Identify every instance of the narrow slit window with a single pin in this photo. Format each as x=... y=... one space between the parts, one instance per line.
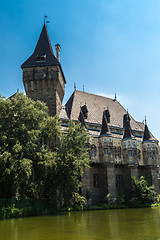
x=26 y=86
x=32 y=85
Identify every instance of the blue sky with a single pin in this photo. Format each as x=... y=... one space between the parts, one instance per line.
x=109 y=46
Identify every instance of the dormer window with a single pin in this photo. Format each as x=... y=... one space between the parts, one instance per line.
x=41 y=58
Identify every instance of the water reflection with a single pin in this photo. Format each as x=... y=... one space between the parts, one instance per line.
x=132 y=224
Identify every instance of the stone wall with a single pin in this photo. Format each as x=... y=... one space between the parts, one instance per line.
x=45 y=84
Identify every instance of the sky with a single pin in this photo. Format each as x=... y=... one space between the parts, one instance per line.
x=109 y=46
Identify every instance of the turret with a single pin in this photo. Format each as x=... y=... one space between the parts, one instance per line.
x=43 y=77
x=150 y=151
x=81 y=118
x=106 y=139
x=129 y=143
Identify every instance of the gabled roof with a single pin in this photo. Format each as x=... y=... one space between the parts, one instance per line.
x=96 y=105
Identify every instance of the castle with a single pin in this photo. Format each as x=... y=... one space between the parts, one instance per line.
x=120 y=147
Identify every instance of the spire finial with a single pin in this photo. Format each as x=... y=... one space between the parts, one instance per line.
x=145 y=120
x=74 y=86
x=115 y=97
x=45 y=19
x=83 y=88
x=127 y=116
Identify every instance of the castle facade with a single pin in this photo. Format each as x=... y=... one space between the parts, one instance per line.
x=120 y=147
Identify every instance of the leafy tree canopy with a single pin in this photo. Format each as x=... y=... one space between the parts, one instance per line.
x=36 y=159
x=142 y=192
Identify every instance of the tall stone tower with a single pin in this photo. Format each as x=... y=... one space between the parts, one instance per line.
x=43 y=76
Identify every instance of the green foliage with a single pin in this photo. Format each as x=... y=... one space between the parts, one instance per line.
x=11 y=212
x=142 y=192
x=107 y=198
x=36 y=159
x=72 y=158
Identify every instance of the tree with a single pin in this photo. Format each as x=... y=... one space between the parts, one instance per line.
x=37 y=160
x=26 y=131
x=142 y=191
x=71 y=161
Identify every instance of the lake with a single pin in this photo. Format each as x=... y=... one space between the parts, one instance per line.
x=126 y=224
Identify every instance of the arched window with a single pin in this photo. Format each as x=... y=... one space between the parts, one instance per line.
x=119 y=152
x=129 y=153
x=139 y=154
x=105 y=151
x=149 y=155
x=93 y=151
x=154 y=154
x=134 y=153
x=115 y=152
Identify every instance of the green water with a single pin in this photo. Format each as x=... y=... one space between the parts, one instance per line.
x=126 y=224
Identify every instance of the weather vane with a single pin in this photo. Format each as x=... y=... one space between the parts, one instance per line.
x=45 y=19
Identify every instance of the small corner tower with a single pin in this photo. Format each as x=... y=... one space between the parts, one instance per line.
x=150 y=151
x=43 y=77
x=129 y=143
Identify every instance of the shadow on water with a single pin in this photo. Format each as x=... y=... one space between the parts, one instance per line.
x=122 y=224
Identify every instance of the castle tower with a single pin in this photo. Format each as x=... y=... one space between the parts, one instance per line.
x=149 y=148
x=150 y=156
x=43 y=77
x=107 y=155
x=129 y=144
x=106 y=140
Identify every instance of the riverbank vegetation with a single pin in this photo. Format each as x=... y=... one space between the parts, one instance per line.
x=143 y=195
x=38 y=161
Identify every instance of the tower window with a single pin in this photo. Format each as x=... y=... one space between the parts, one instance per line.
x=129 y=153
x=26 y=86
x=119 y=152
x=106 y=151
x=119 y=180
x=93 y=151
x=134 y=153
x=139 y=154
x=32 y=85
x=153 y=154
x=95 y=180
x=111 y=151
x=41 y=58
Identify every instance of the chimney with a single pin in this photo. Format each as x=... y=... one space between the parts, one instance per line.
x=58 y=48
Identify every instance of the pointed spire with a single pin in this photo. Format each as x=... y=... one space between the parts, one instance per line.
x=81 y=118
x=105 y=128
x=74 y=86
x=43 y=45
x=43 y=54
x=147 y=136
x=127 y=126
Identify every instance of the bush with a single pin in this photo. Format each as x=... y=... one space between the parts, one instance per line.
x=142 y=192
